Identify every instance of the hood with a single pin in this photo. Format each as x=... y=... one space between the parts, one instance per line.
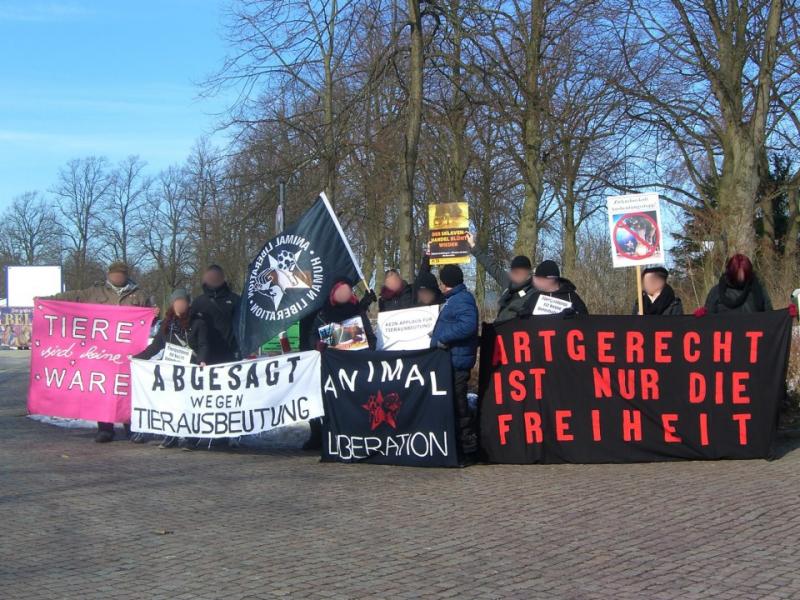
x=222 y=290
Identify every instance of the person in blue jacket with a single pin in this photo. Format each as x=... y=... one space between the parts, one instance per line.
x=456 y=329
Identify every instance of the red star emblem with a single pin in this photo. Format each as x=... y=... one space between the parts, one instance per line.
x=383 y=409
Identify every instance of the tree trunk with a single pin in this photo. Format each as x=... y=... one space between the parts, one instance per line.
x=570 y=242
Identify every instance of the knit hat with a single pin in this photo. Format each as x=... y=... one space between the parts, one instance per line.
x=451 y=275
x=118 y=267
x=426 y=281
x=660 y=271
x=179 y=294
x=547 y=268
x=521 y=262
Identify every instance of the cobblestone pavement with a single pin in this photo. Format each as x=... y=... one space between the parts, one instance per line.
x=82 y=520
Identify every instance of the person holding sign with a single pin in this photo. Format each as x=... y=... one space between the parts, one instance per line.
x=341 y=307
x=456 y=329
x=658 y=297
x=738 y=290
x=396 y=292
x=553 y=294
x=182 y=337
x=117 y=290
x=517 y=283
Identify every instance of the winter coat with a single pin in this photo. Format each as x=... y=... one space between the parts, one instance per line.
x=457 y=328
x=427 y=279
x=337 y=313
x=217 y=308
x=566 y=291
x=513 y=302
x=389 y=300
x=666 y=304
x=724 y=298
x=196 y=337
x=104 y=293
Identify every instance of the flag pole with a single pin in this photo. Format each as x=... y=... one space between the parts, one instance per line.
x=344 y=239
x=639 y=288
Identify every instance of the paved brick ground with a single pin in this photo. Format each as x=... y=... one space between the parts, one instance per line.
x=80 y=520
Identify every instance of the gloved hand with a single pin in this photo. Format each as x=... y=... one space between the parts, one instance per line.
x=367 y=300
x=701 y=312
x=793 y=310
x=568 y=313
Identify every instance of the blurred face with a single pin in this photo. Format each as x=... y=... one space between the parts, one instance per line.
x=213 y=278
x=545 y=284
x=117 y=279
x=343 y=294
x=653 y=284
x=519 y=276
x=426 y=297
x=393 y=281
x=180 y=306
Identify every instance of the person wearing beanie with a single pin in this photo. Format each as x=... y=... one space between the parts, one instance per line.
x=547 y=281
x=341 y=305
x=456 y=329
x=658 y=297
x=516 y=283
x=186 y=330
x=118 y=289
x=426 y=286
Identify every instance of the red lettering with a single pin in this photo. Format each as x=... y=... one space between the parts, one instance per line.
x=742 y=419
x=703 y=429
x=515 y=379
x=576 y=351
x=739 y=388
x=533 y=427
x=503 y=428
x=537 y=382
x=668 y=420
x=697 y=388
x=649 y=384
x=661 y=339
x=604 y=339
x=498 y=388
x=596 y=436
x=602 y=382
x=634 y=347
x=547 y=339
x=719 y=385
x=754 y=337
x=632 y=425
x=522 y=346
x=722 y=346
x=627 y=387
x=499 y=356
x=562 y=427
x=692 y=338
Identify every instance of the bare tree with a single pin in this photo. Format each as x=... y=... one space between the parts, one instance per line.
x=125 y=199
x=31 y=232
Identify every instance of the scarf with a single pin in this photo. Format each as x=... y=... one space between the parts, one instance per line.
x=743 y=295
x=661 y=303
x=128 y=287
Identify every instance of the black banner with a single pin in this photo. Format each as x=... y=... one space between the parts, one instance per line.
x=626 y=389
x=292 y=275
x=391 y=408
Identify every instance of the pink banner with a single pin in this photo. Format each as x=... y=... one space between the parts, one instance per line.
x=80 y=359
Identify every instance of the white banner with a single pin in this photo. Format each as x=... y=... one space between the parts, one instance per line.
x=548 y=305
x=227 y=400
x=407 y=329
x=634 y=223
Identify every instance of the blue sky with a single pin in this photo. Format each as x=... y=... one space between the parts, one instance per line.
x=109 y=78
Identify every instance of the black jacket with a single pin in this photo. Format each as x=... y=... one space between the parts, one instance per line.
x=751 y=298
x=566 y=291
x=667 y=304
x=403 y=299
x=217 y=308
x=514 y=300
x=428 y=280
x=196 y=336
x=338 y=313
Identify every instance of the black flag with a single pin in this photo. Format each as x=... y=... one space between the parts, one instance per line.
x=292 y=275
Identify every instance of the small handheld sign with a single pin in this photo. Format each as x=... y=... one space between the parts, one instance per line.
x=634 y=222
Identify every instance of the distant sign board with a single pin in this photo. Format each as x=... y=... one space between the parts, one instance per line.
x=448 y=224
x=634 y=223
x=26 y=283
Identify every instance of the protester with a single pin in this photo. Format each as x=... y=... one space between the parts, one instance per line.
x=516 y=283
x=186 y=330
x=426 y=287
x=456 y=329
x=396 y=292
x=738 y=290
x=658 y=297
x=217 y=306
x=117 y=290
x=547 y=281
x=341 y=305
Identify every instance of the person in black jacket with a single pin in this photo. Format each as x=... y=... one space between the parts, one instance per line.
x=658 y=297
x=517 y=283
x=340 y=306
x=426 y=286
x=396 y=292
x=738 y=290
x=548 y=282
x=216 y=306
x=183 y=329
